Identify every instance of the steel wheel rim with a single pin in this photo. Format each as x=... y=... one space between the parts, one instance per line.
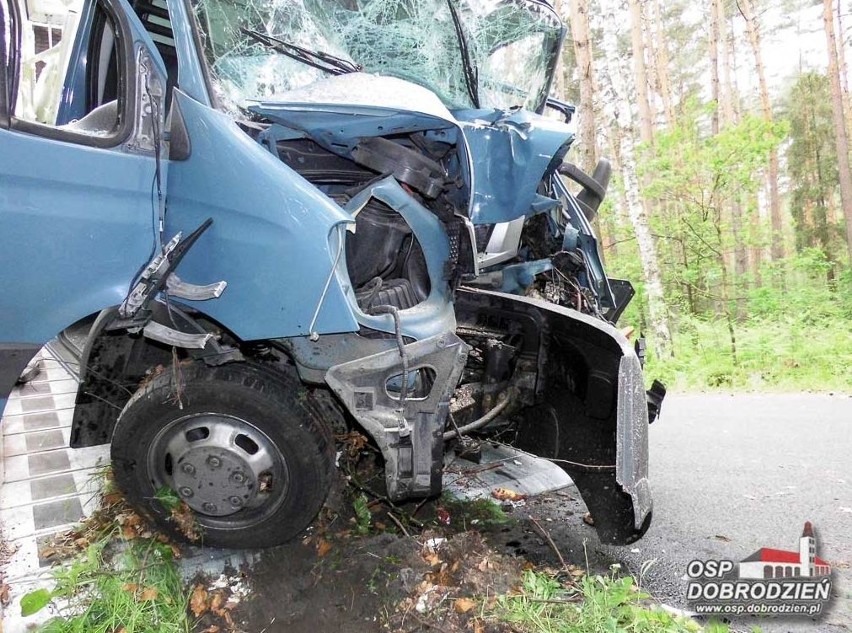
x=228 y=471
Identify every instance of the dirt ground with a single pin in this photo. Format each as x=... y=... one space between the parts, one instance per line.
x=335 y=580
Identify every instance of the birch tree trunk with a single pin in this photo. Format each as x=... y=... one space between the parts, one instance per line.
x=579 y=15
x=619 y=104
x=840 y=136
x=753 y=30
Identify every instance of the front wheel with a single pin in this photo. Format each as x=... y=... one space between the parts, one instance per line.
x=239 y=444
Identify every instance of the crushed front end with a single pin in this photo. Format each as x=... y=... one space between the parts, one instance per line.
x=471 y=270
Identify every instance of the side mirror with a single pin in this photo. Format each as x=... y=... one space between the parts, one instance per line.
x=567 y=110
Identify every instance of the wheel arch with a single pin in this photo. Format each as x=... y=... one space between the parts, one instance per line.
x=114 y=364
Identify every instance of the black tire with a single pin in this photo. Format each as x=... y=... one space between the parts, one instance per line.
x=256 y=479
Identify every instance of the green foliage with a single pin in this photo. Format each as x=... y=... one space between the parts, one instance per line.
x=596 y=603
x=812 y=163
x=795 y=336
x=112 y=586
x=481 y=513
x=169 y=498
x=35 y=601
x=363 y=516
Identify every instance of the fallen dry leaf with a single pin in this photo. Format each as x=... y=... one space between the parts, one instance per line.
x=149 y=593
x=506 y=494
x=5 y=598
x=130 y=586
x=722 y=537
x=587 y=519
x=216 y=603
x=211 y=629
x=129 y=532
x=478 y=627
x=323 y=548
x=463 y=605
x=198 y=601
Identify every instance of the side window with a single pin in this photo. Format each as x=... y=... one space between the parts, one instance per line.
x=70 y=70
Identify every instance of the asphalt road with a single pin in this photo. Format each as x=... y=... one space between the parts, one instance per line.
x=732 y=474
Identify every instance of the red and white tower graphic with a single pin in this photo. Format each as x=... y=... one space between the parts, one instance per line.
x=769 y=563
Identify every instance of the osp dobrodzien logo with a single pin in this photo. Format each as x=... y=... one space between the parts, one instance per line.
x=769 y=582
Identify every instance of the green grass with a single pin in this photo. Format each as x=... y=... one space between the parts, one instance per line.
x=594 y=603
x=790 y=353
x=474 y=513
x=115 y=586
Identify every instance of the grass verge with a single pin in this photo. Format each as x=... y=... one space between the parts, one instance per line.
x=544 y=604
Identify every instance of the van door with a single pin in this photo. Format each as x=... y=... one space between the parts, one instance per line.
x=78 y=197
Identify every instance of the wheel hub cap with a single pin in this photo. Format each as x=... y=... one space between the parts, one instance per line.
x=219 y=465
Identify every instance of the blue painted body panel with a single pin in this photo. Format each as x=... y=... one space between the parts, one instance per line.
x=61 y=204
x=511 y=154
x=78 y=222
x=330 y=126
x=270 y=234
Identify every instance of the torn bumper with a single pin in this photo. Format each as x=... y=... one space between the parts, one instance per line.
x=587 y=410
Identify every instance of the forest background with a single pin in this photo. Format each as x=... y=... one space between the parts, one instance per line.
x=727 y=123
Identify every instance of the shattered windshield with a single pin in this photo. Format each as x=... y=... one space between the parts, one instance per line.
x=472 y=53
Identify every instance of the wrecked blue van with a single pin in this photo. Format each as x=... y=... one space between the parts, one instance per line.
x=248 y=225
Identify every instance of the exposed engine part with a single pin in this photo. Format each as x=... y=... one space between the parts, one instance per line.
x=407 y=165
x=498 y=361
x=384 y=246
x=503 y=402
x=394 y=292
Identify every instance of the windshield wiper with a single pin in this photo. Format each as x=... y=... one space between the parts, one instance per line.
x=471 y=73
x=323 y=61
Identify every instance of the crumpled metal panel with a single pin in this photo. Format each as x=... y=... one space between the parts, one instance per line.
x=510 y=154
x=632 y=448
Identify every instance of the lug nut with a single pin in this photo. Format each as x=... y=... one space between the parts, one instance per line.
x=187 y=469
x=186 y=491
x=238 y=477
x=208 y=507
x=236 y=502
x=214 y=462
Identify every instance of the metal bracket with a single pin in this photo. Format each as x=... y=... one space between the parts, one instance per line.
x=164 y=334
x=413 y=463
x=176 y=287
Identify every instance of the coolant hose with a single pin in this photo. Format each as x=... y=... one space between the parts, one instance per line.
x=505 y=399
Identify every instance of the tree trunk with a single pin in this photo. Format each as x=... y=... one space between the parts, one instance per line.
x=842 y=68
x=620 y=106
x=840 y=136
x=660 y=51
x=559 y=71
x=579 y=12
x=727 y=117
x=714 y=65
x=640 y=72
x=754 y=37
x=728 y=93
